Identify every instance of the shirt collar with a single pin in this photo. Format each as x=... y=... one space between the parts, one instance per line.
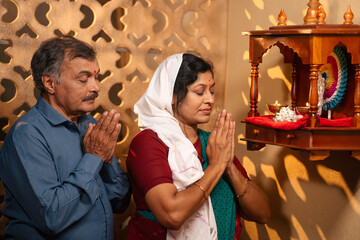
x=50 y=113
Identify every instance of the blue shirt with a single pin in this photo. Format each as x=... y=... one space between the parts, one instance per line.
x=53 y=189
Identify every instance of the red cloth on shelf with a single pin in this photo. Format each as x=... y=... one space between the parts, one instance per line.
x=341 y=122
x=267 y=121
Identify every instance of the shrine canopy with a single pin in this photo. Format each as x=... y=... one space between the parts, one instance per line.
x=312 y=43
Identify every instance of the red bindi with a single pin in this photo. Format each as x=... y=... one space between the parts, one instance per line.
x=94 y=71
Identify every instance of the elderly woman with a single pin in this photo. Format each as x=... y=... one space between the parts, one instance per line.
x=186 y=182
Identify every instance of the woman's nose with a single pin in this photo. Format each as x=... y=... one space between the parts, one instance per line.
x=210 y=97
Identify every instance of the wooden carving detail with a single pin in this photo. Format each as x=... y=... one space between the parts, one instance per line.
x=321 y=15
x=282 y=18
x=293 y=86
x=313 y=93
x=356 y=119
x=311 y=14
x=348 y=16
x=254 y=90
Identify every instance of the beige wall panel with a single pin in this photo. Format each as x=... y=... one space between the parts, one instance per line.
x=309 y=199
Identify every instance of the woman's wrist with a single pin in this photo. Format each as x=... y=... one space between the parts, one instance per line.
x=243 y=189
x=217 y=168
x=218 y=165
x=240 y=182
x=231 y=169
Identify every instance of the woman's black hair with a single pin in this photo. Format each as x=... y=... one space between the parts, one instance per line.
x=190 y=67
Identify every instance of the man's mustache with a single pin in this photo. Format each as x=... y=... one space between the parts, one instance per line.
x=90 y=97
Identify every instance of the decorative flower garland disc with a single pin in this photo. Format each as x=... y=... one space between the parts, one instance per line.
x=332 y=80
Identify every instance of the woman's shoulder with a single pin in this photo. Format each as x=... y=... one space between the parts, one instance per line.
x=146 y=135
x=147 y=139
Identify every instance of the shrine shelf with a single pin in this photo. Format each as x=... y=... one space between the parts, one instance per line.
x=308 y=138
x=307 y=47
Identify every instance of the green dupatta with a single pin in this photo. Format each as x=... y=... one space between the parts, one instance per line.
x=222 y=198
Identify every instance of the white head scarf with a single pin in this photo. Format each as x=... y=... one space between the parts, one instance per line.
x=155 y=112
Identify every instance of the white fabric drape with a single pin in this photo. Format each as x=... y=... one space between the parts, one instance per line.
x=155 y=112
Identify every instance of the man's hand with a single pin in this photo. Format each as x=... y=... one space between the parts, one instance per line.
x=100 y=138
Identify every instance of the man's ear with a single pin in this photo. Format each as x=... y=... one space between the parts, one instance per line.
x=49 y=84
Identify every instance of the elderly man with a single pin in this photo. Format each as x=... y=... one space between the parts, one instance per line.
x=57 y=164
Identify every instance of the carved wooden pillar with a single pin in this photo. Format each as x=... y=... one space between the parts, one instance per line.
x=321 y=15
x=348 y=16
x=254 y=90
x=311 y=14
x=313 y=98
x=282 y=18
x=293 y=87
x=356 y=120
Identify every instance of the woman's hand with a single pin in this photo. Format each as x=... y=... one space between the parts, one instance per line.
x=231 y=162
x=220 y=148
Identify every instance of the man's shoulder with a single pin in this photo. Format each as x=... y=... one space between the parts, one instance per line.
x=30 y=120
x=25 y=126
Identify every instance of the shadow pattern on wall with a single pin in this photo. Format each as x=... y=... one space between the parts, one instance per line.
x=131 y=38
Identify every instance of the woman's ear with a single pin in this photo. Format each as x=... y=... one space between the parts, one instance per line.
x=49 y=84
x=173 y=102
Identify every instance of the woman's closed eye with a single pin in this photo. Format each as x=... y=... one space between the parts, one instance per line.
x=200 y=93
